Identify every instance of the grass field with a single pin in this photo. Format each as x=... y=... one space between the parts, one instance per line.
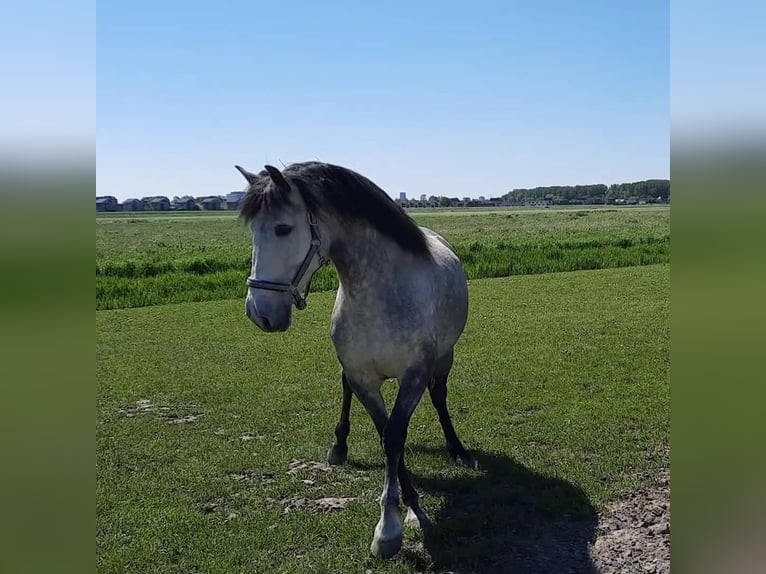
x=153 y=259
x=560 y=387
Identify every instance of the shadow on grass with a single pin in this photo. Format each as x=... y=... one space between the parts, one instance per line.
x=507 y=518
x=365 y=465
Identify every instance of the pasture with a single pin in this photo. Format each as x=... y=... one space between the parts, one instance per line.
x=156 y=258
x=211 y=435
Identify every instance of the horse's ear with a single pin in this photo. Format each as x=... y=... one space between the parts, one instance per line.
x=250 y=177
x=277 y=177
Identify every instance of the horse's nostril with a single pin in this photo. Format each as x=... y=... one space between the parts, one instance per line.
x=265 y=322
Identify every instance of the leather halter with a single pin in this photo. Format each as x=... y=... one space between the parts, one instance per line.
x=292 y=288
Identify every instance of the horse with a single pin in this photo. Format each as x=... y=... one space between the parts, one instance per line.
x=401 y=305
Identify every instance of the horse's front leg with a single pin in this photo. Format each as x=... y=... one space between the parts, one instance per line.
x=387 y=539
x=338 y=453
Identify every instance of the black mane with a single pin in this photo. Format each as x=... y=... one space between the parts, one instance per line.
x=350 y=196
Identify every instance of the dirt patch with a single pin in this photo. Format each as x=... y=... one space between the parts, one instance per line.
x=248 y=437
x=307 y=471
x=173 y=419
x=249 y=475
x=297 y=466
x=141 y=407
x=634 y=532
x=318 y=505
x=145 y=406
x=213 y=506
x=632 y=536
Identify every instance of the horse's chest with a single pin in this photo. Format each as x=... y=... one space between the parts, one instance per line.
x=373 y=348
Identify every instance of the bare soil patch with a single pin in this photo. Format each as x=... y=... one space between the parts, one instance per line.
x=315 y=505
x=165 y=413
x=633 y=534
x=249 y=475
x=297 y=466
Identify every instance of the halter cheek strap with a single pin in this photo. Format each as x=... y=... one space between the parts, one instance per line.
x=292 y=287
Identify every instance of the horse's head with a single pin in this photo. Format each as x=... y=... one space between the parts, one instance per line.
x=286 y=246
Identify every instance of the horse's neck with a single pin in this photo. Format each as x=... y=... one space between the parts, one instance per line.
x=365 y=260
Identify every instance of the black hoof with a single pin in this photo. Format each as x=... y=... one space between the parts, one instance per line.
x=337 y=455
x=469 y=461
x=465 y=458
x=417 y=519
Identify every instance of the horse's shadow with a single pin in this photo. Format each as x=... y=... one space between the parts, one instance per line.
x=507 y=518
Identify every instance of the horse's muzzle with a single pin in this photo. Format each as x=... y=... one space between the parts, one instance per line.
x=268 y=322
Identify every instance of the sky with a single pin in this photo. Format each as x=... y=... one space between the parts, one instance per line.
x=48 y=96
x=717 y=94
x=436 y=98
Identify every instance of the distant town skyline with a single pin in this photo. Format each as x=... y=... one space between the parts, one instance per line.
x=408 y=196
x=634 y=193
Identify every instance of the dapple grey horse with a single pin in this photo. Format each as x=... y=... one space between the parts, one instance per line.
x=400 y=308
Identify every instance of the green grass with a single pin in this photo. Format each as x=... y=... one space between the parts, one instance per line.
x=560 y=385
x=152 y=259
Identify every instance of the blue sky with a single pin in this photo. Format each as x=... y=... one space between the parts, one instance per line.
x=445 y=98
x=717 y=93
x=48 y=96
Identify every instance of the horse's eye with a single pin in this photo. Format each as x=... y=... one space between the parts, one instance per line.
x=281 y=230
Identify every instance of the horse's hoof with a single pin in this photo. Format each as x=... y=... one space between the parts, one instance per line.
x=385 y=548
x=471 y=462
x=467 y=460
x=417 y=518
x=337 y=455
x=387 y=539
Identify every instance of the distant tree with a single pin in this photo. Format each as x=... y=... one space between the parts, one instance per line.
x=647 y=190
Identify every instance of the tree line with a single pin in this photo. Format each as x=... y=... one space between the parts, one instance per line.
x=648 y=190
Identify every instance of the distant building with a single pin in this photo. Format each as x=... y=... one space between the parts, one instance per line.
x=234 y=199
x=157 y=203
x=107 y=203
x=132 y=204
x=185 y=203
x=212 y=203
x=402 y=196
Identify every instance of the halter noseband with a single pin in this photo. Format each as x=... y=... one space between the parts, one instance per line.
x=292 y=288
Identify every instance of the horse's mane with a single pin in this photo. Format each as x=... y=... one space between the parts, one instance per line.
x=349 y=195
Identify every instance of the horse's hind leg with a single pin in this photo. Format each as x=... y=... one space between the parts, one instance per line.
x=438 y=392
x=338 y=453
